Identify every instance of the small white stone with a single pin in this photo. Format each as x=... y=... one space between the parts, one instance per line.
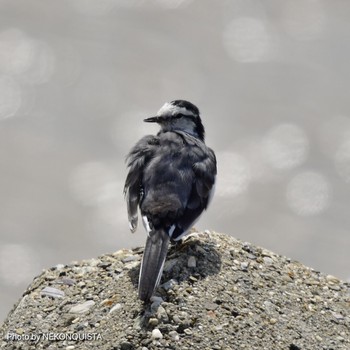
x=268 y=260
x=156 y=334
x=52 y=292
x=59 y=267
x=244 y=265
x=116 y=307
x=174 y=335
x=82 y=308
x=332 y=279
x=191 y=261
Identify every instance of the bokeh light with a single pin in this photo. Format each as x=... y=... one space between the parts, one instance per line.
x=308 y=193
x=234 y=174
x=18 y=264
x=10 y=97
x=31 y=61
x=16 y=52
x=285 y=146
x=42 y=66
x=247 y=39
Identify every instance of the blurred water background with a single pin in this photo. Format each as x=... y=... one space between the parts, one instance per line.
x=77 y=77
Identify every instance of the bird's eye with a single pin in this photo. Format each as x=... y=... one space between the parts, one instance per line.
x=179 y=116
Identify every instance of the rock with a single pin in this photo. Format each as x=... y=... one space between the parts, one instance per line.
x=237 y=294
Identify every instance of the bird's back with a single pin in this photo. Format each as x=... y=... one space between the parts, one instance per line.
x=169 y=179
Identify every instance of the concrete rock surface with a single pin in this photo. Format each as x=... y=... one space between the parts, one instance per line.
x=235 y=296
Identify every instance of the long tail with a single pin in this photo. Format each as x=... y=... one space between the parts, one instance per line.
x=152 y=264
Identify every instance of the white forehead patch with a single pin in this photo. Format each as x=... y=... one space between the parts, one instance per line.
x=170 y=109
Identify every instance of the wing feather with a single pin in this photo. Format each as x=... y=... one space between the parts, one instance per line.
x=137 y=159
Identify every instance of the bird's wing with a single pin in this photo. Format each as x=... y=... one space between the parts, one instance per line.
x=137 y=159
x=205 y=173
x=204 y=168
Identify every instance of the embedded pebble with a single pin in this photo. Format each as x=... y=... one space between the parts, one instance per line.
x=188 y=331
x=169 y=284
x=116 y=307
x=338 y=316
x=174 y=335
x=126 y=346
x=130 y=258
x=268 y=260
x=210 y=306
x=169 y=264
x=191 y=261
x=66 y=281
x=152 y=322
x=59 y=267
x=157 y=334
x=332 y=279
x=82 y=308
x=244 y=265
x=273 y=321
x=162 y=314
x=52 y=292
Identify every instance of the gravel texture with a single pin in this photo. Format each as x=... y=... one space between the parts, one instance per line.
x=217 y=293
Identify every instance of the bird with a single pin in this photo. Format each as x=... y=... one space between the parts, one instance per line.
x=171 y=179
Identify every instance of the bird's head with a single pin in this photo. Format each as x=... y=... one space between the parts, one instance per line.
x=179 y=115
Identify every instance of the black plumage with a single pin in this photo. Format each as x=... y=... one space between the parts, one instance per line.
x=171 y=177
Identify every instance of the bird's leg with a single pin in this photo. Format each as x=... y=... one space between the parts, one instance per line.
x=176 y=244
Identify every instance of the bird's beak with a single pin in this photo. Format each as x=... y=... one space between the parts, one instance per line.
x=152 y=120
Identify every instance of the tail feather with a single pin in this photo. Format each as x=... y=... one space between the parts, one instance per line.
x=154 y=255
